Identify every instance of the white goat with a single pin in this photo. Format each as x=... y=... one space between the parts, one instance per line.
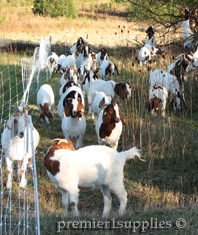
x=91 y=167
x=102 y=55
x=69 y=93
x=109 y=125
x=74 y=123
x=69 y=75
x=17 y=144
x=187 y=33
x=46 y=102
x=111 y=88
x=100 y=100
x=68 y=62
x=157 y=100
x=52 y=61
x=169 y=81
x=59 y=63
x=147 y=52
x=89 y=78
x=107 y=70
x=90 y=62
x=83 y=55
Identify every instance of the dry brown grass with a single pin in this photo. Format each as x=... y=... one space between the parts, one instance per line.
x=98 y=19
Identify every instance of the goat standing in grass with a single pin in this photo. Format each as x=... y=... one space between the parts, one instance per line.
x=109 y=125
x=17 y=144
x=45 y=102
x=91 y=167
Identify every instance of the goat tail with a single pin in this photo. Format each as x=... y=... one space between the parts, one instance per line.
x=131 y=153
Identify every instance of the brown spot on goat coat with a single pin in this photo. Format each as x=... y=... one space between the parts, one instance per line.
x=53 y=166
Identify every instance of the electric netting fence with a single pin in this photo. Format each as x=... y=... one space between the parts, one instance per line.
x=19 y=213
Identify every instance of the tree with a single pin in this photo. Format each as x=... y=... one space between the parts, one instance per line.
x=55 y=8
x=165 y=12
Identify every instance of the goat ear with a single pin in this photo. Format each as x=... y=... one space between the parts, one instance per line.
x=67 y=111
x=102 y=102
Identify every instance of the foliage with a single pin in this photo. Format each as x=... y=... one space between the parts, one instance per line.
x=55 y=8
x=165 y=12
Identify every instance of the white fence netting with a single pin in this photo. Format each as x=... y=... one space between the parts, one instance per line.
x=19 y=213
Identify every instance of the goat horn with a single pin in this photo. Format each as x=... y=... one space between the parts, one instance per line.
x=16 y=108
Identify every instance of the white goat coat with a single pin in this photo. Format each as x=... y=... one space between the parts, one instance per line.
x=68 y=62
x=92 y=167
x=96 y=102
x=46 y=95
x=74 y=129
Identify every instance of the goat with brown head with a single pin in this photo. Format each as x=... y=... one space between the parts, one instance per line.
x=109 y=125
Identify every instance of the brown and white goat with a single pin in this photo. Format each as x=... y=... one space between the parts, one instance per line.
x=90 y=167
x=74 y=123
x=157 y=100
x=102 y=55
x=109 y=125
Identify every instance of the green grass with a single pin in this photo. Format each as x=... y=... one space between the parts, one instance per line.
x=164 y=187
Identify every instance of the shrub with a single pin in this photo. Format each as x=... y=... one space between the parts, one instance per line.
x=55 y=8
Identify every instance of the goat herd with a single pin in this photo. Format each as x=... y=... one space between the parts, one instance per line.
x=69 y=166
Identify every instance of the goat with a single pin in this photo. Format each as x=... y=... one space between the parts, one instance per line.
x=187 y=33
x=91 y=167
x=107 y=70
x=64 y=87
x=68 y=62
x=111 y=88
x=73 y=123
x=90 y=62
x=157 y=100
x=69 y=93
x=109 y=125
x=82 y=55
x=89 y=78
x=82 y=71
x=17 y=143
x=160 y=77
x=102 y=55
x=151 y=40
x=59 y=63
x=45 y=102
x=52 y=61
x=100 y=100
x=79 y=42
x=147 y=52
x=69 y=75
x=179 y=69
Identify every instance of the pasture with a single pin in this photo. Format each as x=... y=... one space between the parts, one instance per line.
x=161 y=189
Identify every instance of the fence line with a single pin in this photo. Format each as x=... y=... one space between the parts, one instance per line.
x=20 y=207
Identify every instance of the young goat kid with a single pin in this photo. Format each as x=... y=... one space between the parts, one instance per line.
x=109 y=125
x=91 y=167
